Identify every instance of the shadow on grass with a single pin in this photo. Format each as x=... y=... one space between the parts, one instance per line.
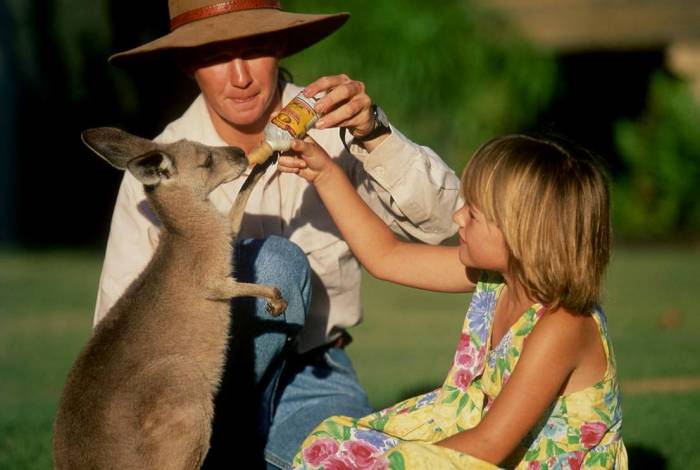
x=645 y=458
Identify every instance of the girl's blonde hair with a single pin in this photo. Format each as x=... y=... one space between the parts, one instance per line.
x=550 y=199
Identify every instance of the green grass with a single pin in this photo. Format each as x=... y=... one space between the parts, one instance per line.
x=45 y=305
x=404 y=346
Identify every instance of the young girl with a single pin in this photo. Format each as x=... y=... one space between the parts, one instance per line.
x=533 y=383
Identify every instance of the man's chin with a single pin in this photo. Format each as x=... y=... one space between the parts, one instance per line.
x=244 y=117
x=246 y=114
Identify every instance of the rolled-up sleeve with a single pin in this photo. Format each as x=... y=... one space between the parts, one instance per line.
x=410 y=188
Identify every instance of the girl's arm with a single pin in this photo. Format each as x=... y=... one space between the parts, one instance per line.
x=553 y=351
x=424 y=266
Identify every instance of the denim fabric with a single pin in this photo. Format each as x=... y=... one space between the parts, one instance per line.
x=256 y=349
x=277 y=262
x=312 y=387
x=270 y=397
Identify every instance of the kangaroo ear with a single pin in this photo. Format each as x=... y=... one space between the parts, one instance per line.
x=115 y=145
x=151 y=168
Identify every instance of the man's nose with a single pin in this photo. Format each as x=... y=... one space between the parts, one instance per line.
x=239 y=73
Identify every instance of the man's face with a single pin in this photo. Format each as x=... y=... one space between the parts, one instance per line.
x=239 y=80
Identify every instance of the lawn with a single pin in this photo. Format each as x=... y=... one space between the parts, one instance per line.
x=404 y=346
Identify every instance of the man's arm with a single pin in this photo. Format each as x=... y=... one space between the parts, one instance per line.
x=409 y=186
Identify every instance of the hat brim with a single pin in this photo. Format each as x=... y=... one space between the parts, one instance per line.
x=302 y=30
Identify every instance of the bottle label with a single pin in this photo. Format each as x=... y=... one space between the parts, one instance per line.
x=297 y=117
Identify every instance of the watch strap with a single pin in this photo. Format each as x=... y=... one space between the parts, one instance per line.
x=381 y=127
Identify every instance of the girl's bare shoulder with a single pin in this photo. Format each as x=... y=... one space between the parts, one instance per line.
x=564 y=331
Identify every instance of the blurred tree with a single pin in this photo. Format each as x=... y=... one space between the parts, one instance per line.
x=64 y=85
x=154 y=92
x=659 y=193
x=8 y=103
x=447 y=74
x=595 y=89
x=61 y=197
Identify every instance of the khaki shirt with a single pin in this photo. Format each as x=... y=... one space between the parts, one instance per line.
x=407 y=185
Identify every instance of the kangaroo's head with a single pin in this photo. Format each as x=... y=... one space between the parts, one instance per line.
x=197 y=167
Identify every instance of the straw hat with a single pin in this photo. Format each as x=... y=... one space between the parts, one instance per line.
x=198 y=22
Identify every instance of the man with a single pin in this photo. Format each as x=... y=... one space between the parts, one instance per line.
x=232 y=49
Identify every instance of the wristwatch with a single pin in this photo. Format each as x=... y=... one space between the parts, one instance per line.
x=381 y=125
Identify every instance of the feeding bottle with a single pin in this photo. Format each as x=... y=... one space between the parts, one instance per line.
x=292 y=122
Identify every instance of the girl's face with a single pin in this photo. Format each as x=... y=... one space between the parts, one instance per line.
x=481 y=243
x=239 y=82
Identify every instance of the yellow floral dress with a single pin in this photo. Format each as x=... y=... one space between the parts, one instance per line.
x=579 y=430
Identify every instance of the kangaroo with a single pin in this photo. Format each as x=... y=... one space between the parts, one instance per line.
x=140 y=394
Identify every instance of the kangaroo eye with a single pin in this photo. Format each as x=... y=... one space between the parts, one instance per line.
x=208 y=162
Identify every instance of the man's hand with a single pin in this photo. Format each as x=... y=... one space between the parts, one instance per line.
x=312 y=162
x=346 y=104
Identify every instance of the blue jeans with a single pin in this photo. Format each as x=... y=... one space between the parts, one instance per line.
x=271 y=397
x=312 y=387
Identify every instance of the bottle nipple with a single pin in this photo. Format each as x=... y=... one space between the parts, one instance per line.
x=260 y=154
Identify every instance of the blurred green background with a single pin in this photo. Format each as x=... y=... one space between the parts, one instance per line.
x=449 y=75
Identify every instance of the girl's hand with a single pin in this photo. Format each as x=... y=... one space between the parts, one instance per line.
x=311 y=163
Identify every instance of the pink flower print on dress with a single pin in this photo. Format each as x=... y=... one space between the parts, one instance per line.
x=592 y=433
x=337 y=463
x=319 y=451
x=464 y=341
x=470 y=358
x=463 y=378
x=575 y=460
x=466 y=358
x=364 y=456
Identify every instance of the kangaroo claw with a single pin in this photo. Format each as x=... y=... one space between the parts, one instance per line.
x=276 y=306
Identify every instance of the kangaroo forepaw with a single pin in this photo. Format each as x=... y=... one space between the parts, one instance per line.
x=276 y=305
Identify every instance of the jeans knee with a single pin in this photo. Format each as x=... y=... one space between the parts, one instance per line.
x=280 y=251
x=279 y=257
x=283 y=264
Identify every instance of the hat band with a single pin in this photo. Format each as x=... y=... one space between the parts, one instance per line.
x=220 y=9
